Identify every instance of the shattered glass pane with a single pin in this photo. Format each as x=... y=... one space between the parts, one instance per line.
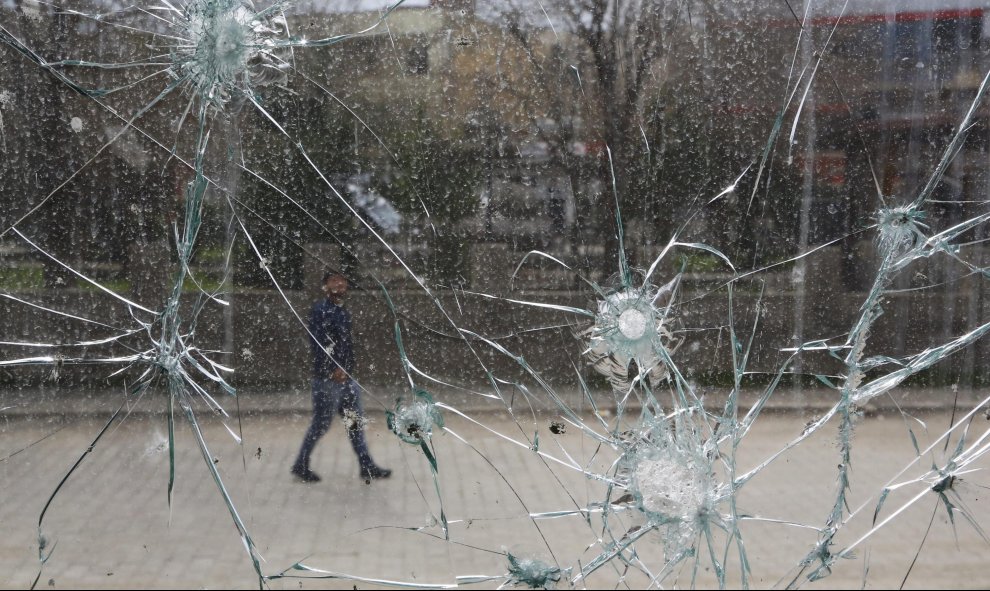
x=616 y=293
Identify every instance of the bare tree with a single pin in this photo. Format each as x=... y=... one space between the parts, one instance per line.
x=616 y=56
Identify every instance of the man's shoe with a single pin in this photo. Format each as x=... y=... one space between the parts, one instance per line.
x=305 y=475
x=374 y=473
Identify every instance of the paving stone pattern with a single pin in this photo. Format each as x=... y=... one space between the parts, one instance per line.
x=113 y=528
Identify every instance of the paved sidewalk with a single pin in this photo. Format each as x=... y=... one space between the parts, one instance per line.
x=111 y=525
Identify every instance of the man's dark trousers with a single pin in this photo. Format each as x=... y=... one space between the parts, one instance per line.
x=331 y=397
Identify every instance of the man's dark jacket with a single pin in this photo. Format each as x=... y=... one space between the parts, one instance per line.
x=330 y=327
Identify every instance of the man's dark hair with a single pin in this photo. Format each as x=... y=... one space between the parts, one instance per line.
x=331 y=273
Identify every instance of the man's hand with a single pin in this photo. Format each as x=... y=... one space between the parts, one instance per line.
x=339 y=375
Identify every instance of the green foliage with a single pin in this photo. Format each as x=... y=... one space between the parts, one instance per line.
x=21 y=278
x=694 y=156
x=435 y=169
x=121 y=286
x=325 y=133
x=695 y=262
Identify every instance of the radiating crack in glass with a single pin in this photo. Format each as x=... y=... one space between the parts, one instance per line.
x=414 y=418
x=669 y=505
x=220 y=50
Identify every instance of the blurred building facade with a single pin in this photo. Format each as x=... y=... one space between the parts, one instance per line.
x=488 y=128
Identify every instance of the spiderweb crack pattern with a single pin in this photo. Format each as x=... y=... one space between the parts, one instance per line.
x=666 y=485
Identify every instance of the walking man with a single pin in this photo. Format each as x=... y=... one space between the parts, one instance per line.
x=334 y=390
